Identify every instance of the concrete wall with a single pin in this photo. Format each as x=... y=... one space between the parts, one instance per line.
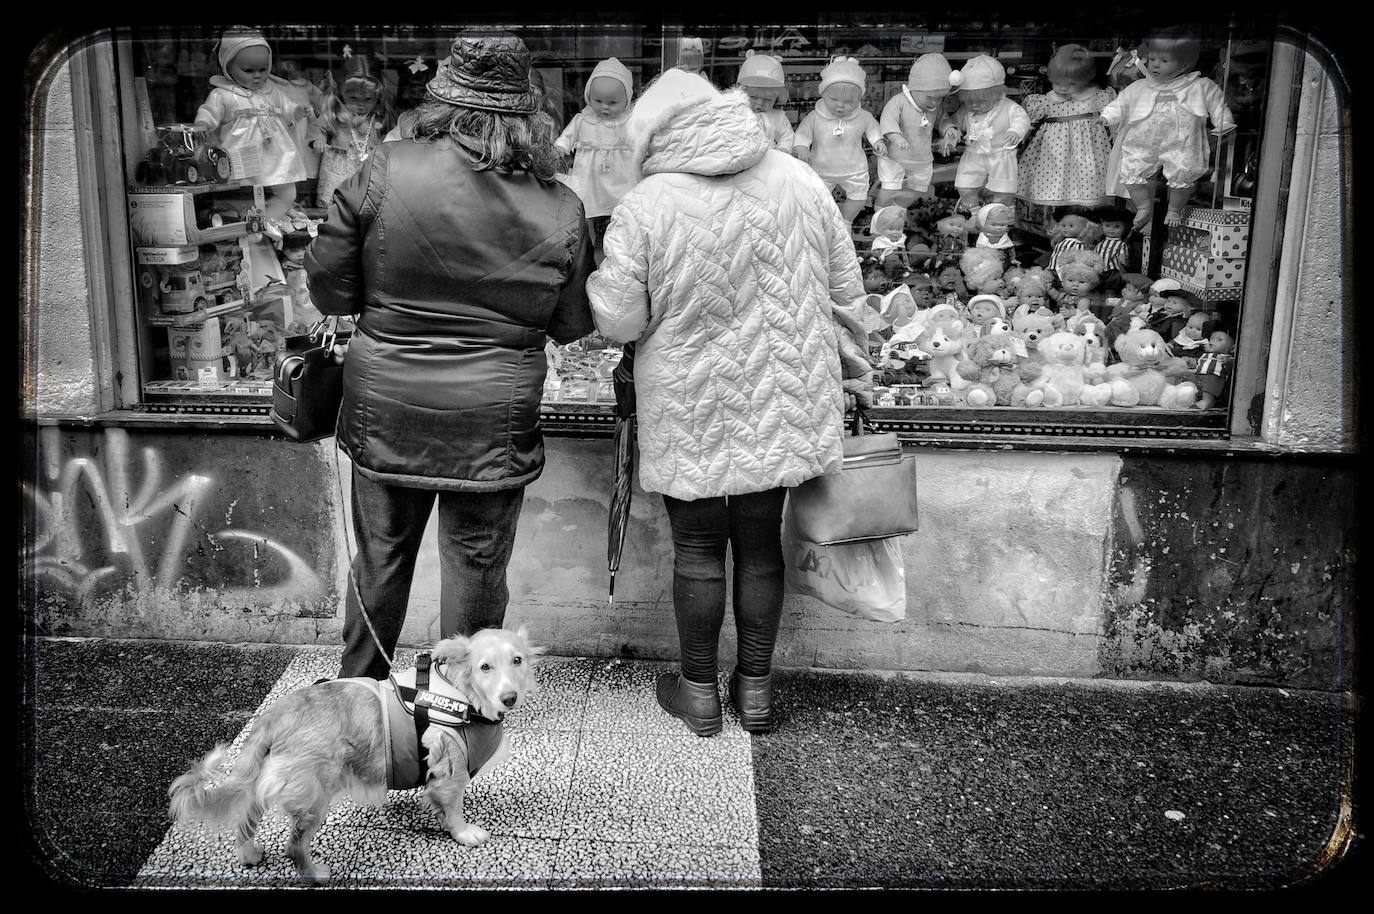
x=1314 y=377
x=1026 y=563
x=59 y=308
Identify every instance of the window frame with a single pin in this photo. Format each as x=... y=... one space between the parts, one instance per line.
x=118 y=338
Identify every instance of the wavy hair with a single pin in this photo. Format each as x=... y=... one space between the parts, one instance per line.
x=495 y=140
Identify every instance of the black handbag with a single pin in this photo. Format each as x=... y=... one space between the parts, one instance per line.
x=307 y=386
x=872 y=496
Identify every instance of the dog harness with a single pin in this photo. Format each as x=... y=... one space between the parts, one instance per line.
x=413 y=701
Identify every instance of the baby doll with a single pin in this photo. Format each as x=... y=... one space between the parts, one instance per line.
x=994 y=226
x=991 y=125
x=1161 y=122
x=250 y=115
x=1066 y=159
x=919 y=255
x=982 y=269
x=1079 y=298
x=1134 y=298
x=1212 y=371
x=951 y=234
x=983 y=308
x=1115 y=223
x=909 y=121
x=306 y=130
x=357 y=114
x=949 y=283
x=603 y=168
x=1032 y=292
x=1170 y=308
x=830 y=138
x=761 y=78
x=1194 y=335
x=889 y=241
x=1072 y=224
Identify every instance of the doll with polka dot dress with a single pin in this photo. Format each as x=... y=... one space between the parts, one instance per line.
x=1161 y=125
x=991 y=126
x=251 y=116
x=830 y=138
x=1065 y=161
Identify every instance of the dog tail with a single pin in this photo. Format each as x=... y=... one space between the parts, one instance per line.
x=194 y=796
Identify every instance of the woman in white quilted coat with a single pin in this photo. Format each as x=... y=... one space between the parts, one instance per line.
x=731 y=269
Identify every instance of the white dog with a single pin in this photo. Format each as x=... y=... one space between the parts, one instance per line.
x=359 y=736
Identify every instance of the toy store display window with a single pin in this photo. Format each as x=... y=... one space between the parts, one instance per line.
x=1022 y=274
x=218 y=226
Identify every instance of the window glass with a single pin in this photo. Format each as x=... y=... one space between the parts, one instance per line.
x=219 y=225
x=998 y=198
x=1007 y=262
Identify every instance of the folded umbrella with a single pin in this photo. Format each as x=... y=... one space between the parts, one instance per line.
x=623 y=380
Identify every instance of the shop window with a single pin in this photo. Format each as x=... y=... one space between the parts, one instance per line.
x=216 y=255
x=1054 y=170
x=216 y=260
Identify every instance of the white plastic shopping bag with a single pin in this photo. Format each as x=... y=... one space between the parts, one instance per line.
x=865 y=579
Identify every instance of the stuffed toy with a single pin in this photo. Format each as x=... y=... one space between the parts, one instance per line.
x=1096 y=334
x=1139 y=379
x=996 y=376
x=1068 y=376
x=995 y=325
x=1034 y=327
x=943 y=341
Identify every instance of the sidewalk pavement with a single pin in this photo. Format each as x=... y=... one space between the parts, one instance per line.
x=910 y=781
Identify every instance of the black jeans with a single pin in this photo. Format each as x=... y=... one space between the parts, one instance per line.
x=476 y=534
x=751 y=525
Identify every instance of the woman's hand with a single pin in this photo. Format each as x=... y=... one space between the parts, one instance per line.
x=858 y=393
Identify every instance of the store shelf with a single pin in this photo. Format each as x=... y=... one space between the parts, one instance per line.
x=185 y=188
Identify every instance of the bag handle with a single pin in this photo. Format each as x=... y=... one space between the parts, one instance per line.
x=857 y=428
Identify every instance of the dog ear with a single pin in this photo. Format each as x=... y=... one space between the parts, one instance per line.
x=453 y=651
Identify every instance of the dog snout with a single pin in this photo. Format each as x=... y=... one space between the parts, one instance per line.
x=509 y=698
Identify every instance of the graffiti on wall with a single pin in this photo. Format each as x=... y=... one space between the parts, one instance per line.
x=113 y=525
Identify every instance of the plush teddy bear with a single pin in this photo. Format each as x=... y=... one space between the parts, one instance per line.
x=1069 y=376
x=943 y=341
x=1034 y=327
x=996 y=376
x=1139 y=379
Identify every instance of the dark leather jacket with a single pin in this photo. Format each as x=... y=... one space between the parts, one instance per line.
x=456 y=276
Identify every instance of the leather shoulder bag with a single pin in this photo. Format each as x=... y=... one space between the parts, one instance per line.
x=307 y=386
x=872 y=495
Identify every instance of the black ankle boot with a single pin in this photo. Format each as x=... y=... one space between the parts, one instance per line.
x=697 y=704
x=752 y=697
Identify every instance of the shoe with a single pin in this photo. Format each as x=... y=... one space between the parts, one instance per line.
x=698 y=705
x=752 y=697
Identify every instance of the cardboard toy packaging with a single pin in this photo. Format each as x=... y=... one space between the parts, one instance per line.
x=196 y=353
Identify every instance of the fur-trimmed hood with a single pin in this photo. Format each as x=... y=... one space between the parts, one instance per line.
x=683 y=124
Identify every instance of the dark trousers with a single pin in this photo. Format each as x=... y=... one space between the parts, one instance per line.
x=476 y=534
x=751 y=526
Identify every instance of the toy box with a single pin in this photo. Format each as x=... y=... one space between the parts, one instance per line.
x=167 y=256
x=1207 y=251
x=196 y=353
x=162 y=220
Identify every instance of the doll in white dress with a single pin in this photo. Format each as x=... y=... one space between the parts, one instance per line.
x=251 y=116
x=1161 y=123
x=761 y=78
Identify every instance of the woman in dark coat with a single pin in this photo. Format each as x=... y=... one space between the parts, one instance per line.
x=459 y=255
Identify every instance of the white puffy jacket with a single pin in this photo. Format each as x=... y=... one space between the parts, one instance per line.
x=730 y=265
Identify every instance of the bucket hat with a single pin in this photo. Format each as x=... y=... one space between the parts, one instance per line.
x=488 y=71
